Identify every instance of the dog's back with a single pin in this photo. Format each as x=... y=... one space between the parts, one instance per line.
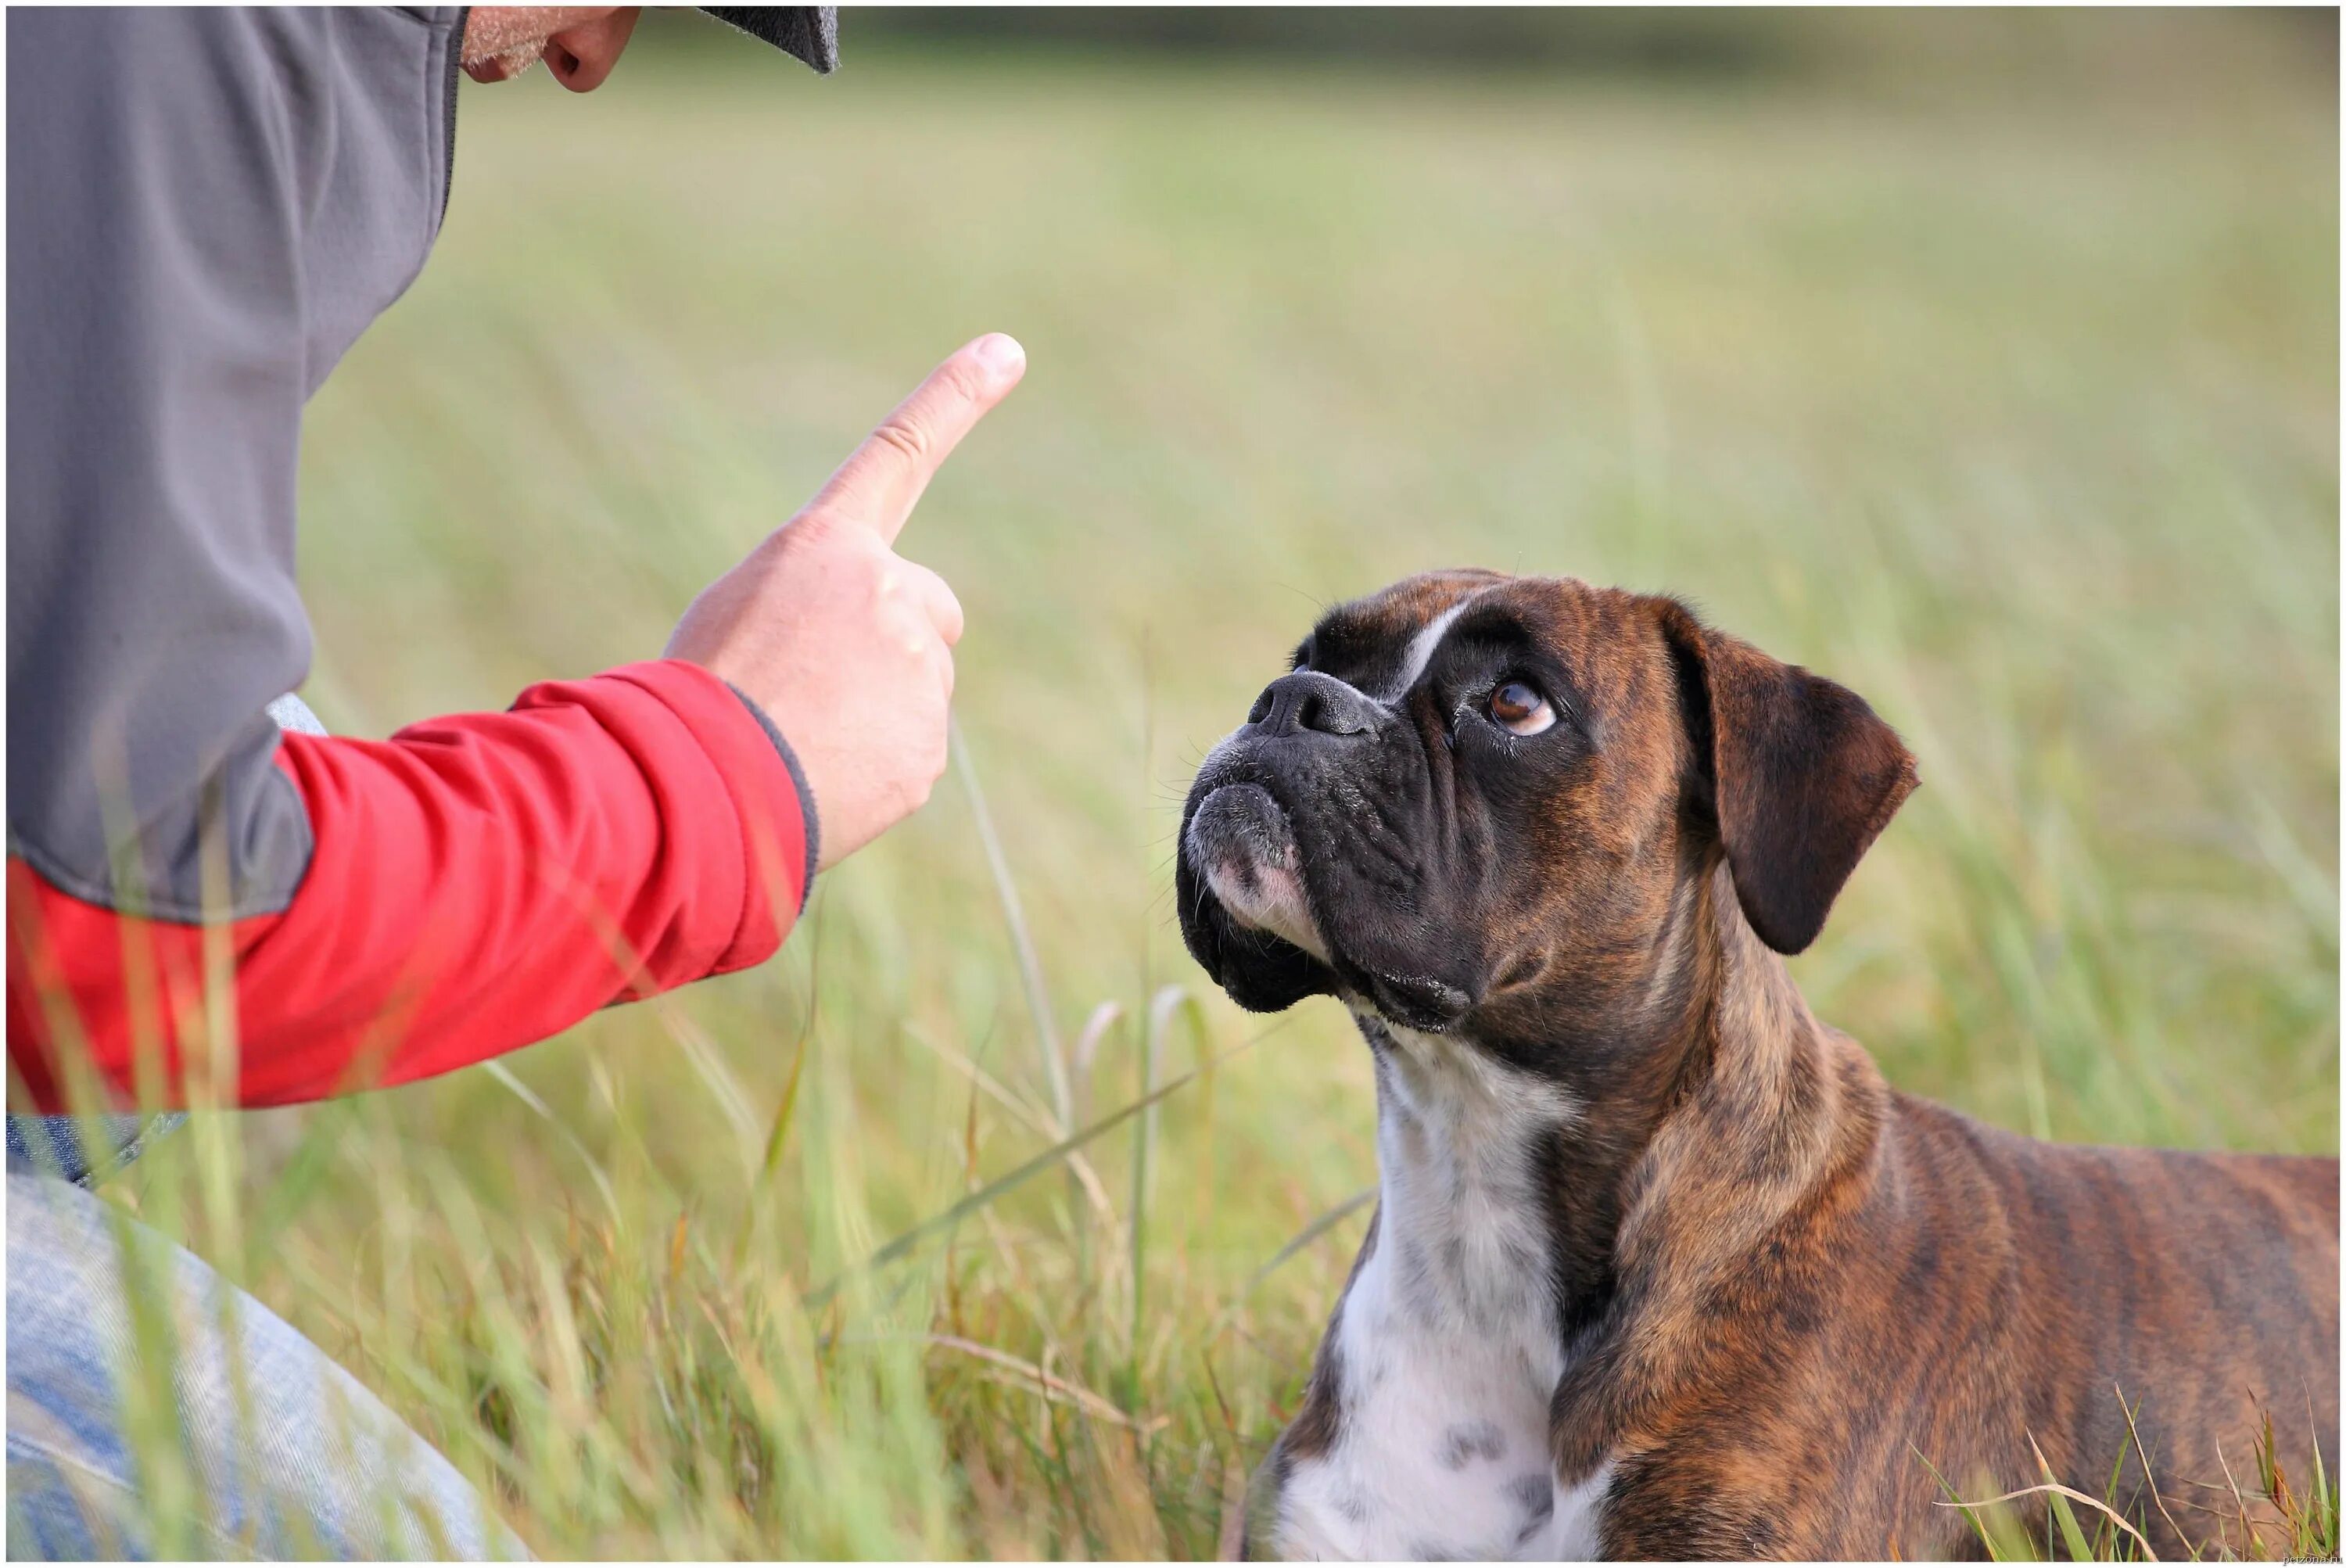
x=1990 y=1291
x=2202 y=1287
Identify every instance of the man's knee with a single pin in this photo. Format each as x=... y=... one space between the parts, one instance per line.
x=266 y=1446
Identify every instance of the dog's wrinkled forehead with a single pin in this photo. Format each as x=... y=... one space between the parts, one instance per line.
x=1379 y=644
x=1385 y=643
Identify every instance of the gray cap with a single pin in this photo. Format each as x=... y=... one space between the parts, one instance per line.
x=811 y=33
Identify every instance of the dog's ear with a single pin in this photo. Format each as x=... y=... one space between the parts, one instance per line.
x=1800 y=774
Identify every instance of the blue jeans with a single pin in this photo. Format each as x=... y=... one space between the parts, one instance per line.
x=300 y=1462
x=319 y=1468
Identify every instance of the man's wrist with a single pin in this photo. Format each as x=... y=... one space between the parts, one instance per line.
x=798 y=780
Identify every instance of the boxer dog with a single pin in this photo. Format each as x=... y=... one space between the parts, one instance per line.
x=1661 y=1266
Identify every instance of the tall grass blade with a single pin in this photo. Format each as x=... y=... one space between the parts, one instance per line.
x=777 y=1138
x=1022 y=940
x=1143 y=1148
x=529 y=1096
x=904 y=1242
x=1990 y=1541
x=1328 y=1220
x=1168 y=1001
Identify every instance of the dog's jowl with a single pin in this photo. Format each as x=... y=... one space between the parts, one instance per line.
x=1661 y=1266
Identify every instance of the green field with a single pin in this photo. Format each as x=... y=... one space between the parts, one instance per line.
x=2002 y=389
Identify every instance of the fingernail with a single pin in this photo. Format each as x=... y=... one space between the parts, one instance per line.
x=1000 y=353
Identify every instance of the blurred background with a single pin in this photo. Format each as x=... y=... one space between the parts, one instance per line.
x=1985 y=361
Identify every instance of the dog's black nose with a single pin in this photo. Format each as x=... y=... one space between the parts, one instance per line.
x=1309 y=700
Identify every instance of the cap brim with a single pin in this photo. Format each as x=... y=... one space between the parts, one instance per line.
x=808 y=33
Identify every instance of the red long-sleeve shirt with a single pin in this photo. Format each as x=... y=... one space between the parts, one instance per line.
x=478 y=882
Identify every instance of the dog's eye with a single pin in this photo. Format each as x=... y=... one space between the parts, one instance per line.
x=1516 y=707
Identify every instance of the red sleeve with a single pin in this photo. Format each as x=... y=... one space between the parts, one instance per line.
x=478 y=883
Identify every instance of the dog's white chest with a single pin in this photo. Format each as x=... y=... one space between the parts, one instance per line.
x=1447 y=1347
x=1442 y=1452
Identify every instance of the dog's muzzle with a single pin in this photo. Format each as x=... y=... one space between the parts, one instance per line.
x=1270 y=930
x=1240 y=842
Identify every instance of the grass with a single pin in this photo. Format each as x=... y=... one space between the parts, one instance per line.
x=2008 y=398
x=2293 y=1521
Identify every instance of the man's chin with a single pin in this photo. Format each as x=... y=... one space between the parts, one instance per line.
x=504 y=67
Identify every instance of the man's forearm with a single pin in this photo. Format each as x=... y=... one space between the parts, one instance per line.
x=477 y=883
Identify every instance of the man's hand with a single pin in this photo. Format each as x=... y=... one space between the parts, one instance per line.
x=847 y=646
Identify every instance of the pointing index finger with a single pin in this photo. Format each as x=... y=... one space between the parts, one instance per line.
x=882 y=479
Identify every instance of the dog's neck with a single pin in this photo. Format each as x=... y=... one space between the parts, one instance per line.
x=1487 y=1167
x=1535 y=1228
x=1764 y=1113
x=1465 y=1153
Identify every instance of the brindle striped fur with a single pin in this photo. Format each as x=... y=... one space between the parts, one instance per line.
x=1785 y=1287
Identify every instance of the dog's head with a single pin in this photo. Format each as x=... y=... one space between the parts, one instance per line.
x=1476 y=801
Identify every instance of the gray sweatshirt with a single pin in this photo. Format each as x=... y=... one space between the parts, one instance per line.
x=206 y=208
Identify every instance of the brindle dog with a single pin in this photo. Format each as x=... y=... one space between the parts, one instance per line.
x=1661 y=1266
